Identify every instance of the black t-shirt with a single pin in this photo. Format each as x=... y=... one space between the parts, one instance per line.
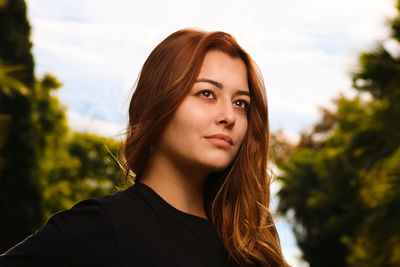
x=134 y=227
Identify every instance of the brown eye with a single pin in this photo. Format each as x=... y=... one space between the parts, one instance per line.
x=206 y=94
x=242 y=104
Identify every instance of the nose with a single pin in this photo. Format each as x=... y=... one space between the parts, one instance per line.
x=226 y=114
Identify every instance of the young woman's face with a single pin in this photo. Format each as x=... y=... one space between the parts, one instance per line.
x=209 y=126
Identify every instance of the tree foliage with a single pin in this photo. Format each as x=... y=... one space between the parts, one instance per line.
x=342 y=181
x=320 y=186
x=44 y=166
x=15 y=46
x=20 y=192
x=85 y=169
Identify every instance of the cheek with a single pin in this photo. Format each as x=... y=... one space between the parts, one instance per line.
x=188 y=125
x=193 y=118
x=242 y=129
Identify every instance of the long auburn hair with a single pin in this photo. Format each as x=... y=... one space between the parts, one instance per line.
x=236 y=199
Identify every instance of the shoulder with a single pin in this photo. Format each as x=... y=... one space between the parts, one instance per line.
x=91 y=233
x=131 y=208
x=130 y=201
x=80 y=236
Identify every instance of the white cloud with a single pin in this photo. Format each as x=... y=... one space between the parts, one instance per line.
x=95 y=126
x=293 y=257
x=304 y=48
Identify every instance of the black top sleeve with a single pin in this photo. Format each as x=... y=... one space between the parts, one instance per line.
x=81 y=236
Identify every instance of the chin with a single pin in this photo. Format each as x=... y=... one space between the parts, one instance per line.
x=217 y=164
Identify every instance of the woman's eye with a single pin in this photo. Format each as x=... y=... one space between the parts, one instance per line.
x=206 y=93
x=241 y=103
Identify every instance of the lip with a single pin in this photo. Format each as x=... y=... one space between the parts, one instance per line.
x=220 y=140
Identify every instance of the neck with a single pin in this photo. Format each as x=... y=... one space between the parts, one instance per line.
x=180 y=186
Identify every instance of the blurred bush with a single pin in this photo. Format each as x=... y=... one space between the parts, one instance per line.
x=341 y=182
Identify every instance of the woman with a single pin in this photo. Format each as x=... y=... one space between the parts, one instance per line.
x=197 y=144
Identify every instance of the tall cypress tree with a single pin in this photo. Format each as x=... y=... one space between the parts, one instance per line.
x=15 y=46
x=20 y=197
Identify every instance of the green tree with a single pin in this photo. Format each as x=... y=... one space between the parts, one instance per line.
x=343 y=179
x=33 y=133
x=15 y=46
x=44 y=167
x=320 y=186
x=20 y=193
x=377 y=241
x=86 y=169
x=72 y=166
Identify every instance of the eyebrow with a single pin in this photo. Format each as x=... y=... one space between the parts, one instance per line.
x=215 y=83
x=221 y=86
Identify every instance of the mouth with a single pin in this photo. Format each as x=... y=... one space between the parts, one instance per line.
x=220 y=140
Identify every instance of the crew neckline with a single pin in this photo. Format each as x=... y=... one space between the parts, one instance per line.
x=182 y=216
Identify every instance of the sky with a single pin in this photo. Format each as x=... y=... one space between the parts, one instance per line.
x=305 y=49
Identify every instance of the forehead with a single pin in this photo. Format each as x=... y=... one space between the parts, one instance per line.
x=230 y=71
